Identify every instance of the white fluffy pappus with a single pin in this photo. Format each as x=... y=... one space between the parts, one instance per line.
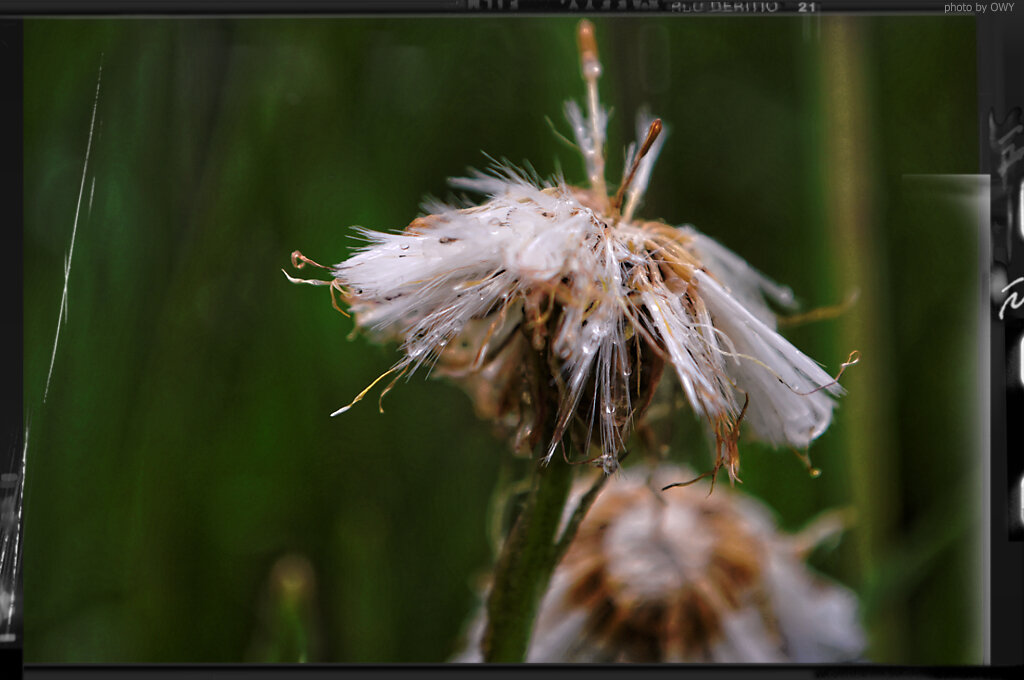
x=563 y=309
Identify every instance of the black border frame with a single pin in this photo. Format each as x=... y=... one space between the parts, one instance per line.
x=1000 y=96
x=11 y=371
x=1000 y=39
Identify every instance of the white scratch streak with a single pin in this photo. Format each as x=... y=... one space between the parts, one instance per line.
x=16 y=559
x=74 y=230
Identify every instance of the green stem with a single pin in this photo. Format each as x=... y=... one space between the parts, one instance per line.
x=853 y=216
x=525 y=565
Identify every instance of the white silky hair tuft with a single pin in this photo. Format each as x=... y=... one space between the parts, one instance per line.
x=616 y=285
x=426 y=284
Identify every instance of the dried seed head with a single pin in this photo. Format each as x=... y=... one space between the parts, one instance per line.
x=682 y=577
x=558 y=310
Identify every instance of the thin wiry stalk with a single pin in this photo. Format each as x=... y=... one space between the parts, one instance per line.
x=569 y=532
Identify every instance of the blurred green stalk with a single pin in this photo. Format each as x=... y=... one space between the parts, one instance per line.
x=849 y=190
x=290 y=631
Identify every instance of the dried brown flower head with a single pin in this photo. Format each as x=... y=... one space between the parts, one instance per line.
x=560 y=310
x=688 y=577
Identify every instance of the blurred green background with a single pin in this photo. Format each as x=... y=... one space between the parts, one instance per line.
x=188 y=498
